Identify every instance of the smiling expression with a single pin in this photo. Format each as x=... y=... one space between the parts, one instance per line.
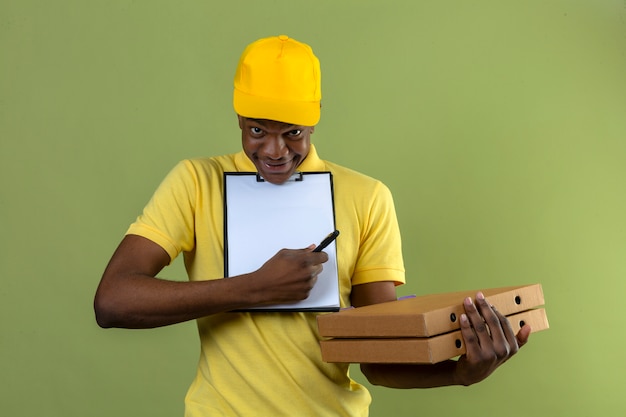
x=275 y=148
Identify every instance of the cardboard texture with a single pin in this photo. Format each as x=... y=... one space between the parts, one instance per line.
x=416 y=350
x=423 y=316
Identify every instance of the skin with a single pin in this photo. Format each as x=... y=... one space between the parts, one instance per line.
x=131 y=296
x=275 y=148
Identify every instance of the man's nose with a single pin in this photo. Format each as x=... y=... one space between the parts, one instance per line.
x=275 y=148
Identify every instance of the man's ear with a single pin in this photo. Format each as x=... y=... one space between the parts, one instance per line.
x=240 y=119
x=312 y=129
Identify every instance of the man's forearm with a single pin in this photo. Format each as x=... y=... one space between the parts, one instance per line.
x=147 y=302
x=411 y=375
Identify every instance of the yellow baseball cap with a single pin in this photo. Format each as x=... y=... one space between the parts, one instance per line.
x=279 y=78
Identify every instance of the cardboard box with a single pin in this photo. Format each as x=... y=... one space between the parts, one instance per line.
x=423 y=316
x=424 y=329
x=415 y=349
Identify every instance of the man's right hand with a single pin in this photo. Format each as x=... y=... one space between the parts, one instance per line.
x=287 y=277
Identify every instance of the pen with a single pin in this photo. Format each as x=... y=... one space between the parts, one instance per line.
x=327 y=241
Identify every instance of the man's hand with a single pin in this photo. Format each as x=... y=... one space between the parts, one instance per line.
x=288 y=276
x=489 y=341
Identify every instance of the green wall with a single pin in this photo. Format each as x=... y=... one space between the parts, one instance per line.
x=500 y=127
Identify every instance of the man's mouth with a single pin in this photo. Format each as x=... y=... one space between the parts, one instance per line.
x=276 y=166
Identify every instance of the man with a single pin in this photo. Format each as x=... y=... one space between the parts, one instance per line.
x=268 y=363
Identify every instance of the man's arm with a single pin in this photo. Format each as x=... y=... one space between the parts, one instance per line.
x=130 y=295
x=489 y=342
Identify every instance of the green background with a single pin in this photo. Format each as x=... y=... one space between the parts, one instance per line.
x=500 y=127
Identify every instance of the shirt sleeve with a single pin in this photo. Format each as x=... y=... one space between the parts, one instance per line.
x=168 y=218
x=380 y=252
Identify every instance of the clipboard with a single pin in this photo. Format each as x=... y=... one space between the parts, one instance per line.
x=261 y=218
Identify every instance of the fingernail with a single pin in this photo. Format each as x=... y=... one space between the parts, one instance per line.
x=468 y=301
x=480 y=296
x=464 y=318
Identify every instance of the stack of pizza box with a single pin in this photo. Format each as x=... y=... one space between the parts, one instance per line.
x=422 y=329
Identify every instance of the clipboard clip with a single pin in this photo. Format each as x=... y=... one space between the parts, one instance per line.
x=295 y=177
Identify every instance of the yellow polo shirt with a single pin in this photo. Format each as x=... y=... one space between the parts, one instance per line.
x=261 y=363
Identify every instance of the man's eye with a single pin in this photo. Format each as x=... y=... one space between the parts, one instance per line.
x=295 y=132
x=256 y=130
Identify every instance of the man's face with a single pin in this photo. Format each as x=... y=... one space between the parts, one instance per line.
x=275 y=148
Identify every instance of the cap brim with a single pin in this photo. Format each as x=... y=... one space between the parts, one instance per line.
x=303 y=113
